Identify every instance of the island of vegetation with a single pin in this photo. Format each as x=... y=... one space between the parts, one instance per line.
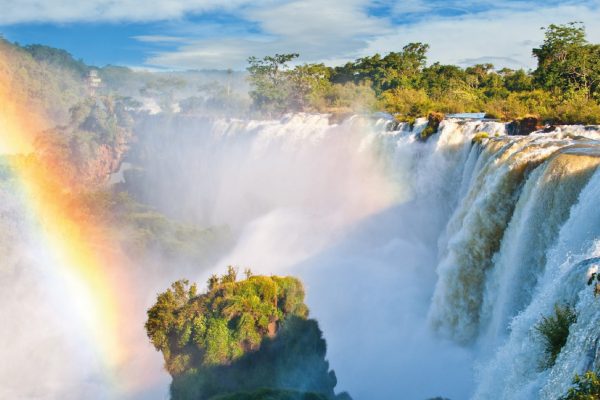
x=242 y=339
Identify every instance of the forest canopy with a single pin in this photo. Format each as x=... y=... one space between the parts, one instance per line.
x=564 y=88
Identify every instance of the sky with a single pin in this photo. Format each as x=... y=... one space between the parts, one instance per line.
x=221 y=34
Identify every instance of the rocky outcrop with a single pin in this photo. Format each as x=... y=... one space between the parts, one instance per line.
x=522 y=127
x=434 y=119
x=107 y=159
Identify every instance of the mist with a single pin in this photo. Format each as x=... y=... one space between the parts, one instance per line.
x=368 y=216
x=352 y=209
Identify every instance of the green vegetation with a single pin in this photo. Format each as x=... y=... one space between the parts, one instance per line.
x=554 y=331
x=239 y=336
x=433 y=123
x=276 y=88
x=586 y=387
x=480 y=136
x=142 y=229
x=45 y=80
x=90 y=146
x=59 y=58
x=564 y=88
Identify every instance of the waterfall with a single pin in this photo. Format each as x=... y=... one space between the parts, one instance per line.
x=522 y=240
x=427 y=263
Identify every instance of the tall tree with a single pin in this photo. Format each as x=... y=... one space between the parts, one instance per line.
x=566 y=61
x=268 y=77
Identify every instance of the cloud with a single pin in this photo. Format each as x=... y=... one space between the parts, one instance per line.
x=317 y=30
x=184 y=34
x=504 y=61
x=159 y=39
x=339 y=31
x=61 y=11
x=503 y=35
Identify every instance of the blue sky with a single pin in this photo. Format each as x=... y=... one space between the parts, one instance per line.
x=194 y=34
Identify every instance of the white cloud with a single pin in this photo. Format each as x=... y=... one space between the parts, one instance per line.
x=159 y=39
x=334 y=31
x=504 y=37
x=317 y=30
x=20 y=11
x=337 y=31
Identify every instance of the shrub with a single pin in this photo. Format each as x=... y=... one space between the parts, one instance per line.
x=409 y=103
x=554 y=331
x=586 y=387
x=479 y=136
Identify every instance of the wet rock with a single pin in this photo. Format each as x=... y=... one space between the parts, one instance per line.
x=433 y=123
x=522 y=127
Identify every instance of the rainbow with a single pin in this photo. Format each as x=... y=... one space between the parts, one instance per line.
x=84 y=260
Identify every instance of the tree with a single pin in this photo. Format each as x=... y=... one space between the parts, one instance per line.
x=308 y=83
x=396 y=69
x=230 y=276
x=566 y=61
x=268 y=77
x=213 y=281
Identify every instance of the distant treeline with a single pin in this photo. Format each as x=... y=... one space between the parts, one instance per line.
x=564 y=88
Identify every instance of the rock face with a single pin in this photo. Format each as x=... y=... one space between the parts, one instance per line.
x=107 y=159
x=522 y=127
x=294 y=360
x=434 y=119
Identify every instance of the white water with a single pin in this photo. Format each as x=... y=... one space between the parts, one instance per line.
x=355 y=210
x=426 y=264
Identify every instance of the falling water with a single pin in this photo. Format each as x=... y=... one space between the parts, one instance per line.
x=427 y=263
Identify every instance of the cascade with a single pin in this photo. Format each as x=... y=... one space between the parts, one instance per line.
x=443 y=254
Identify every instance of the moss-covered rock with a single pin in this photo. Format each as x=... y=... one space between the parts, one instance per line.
x=523 y=126
x=434 y=119
x=480 y=137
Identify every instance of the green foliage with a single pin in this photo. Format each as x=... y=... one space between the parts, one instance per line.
x=294 y=360
x=142 y=229
x=433 y=123
x=480 y=136
x=56 y=57
x=90 y=146
x=45 y=80
x=218 y=327
x=554 y=331
x=566 y=61
x=396 y=69
x=586 y=387
x=271 y=87
x=563 y=89
x=239 y=336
